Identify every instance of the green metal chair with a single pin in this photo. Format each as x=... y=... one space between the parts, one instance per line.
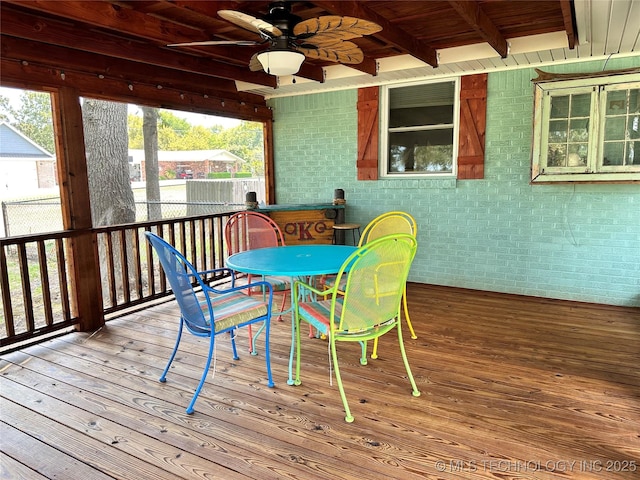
x=206 y=311
x=386 y=224
x=368 y=306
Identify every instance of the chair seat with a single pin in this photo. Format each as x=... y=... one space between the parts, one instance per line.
x=233 y=309
x=318 y=314
x=278 y=284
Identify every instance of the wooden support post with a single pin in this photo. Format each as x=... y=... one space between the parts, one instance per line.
x=76 y=214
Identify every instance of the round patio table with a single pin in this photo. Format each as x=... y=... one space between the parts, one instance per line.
x=295 y=261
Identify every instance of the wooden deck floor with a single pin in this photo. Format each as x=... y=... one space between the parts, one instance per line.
x=512 y=388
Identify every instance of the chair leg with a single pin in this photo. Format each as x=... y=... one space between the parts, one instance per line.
x=250 y=339
x=415 y=392
x=348 y=417
x=267 y=352
x=163 y=377
x=374 y=352
x=204 y=374
x=296 y=319
x=406 y=313
x=284 y=300
x=363 y=355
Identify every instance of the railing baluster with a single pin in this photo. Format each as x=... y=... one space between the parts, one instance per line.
x=62 y=279
x=27 y=298
x=7 y=308
x=137 y=261
x=111 y=268
x=200 y=236
x=44 y=280
x=124 y=264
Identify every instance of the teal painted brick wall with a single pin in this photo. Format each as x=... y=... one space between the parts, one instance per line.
x=577 y=242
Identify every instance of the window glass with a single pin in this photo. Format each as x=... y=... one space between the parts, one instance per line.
x=588 y=130
x=621 y=129
x=418 y=128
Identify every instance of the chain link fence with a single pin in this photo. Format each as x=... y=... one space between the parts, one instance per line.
x=34 y=215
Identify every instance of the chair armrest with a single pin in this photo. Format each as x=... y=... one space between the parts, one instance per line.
x=299 y=283
x=247 y=286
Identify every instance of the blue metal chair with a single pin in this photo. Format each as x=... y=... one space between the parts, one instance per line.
x=207 y=311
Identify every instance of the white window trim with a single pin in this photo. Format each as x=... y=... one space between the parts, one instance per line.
x=383 y=154
x=594 y=171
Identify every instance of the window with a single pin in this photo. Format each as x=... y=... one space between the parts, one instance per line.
x=419 y=129
x=587 y=130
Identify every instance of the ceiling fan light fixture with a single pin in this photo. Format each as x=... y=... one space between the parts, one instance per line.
x=281 y=62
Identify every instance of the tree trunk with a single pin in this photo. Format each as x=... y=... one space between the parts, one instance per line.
x=111 y=197
x=150 y=135
x=107 y=148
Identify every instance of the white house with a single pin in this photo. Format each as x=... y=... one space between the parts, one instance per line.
x=24 y=165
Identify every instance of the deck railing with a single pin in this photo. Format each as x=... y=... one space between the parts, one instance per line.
x=35 y=272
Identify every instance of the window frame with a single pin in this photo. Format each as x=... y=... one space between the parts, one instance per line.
x=385 y=131
x=594 y=171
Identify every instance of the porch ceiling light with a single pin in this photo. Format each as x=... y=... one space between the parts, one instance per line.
x=281 y=62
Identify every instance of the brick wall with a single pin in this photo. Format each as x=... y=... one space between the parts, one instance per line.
x=578 y=242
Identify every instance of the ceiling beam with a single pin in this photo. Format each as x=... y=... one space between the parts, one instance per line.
x=472 y=13
x=101 y=66
x=390 y=33
x=31 y=76
x=567 y=17
x=33 y=27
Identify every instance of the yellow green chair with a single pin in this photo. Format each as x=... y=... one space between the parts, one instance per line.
x=369 y=306
x=386 y=224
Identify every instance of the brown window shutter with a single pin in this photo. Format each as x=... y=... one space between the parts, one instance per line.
x=367 y=162
x=473 y=122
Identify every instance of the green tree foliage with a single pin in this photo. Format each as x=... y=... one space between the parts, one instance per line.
x=7 y=113
x=177 y=134
x=246 y=141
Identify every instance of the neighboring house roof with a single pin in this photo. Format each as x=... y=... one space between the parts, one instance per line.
x=218 y=155
x=14 y=145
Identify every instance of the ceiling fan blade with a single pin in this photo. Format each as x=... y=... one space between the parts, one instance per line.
x=331 y=28
x=250 y=23
x=254 y=64
x=341 y=52
x=215 y=42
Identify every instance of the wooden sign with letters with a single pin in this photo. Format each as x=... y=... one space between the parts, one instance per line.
x=305 y=226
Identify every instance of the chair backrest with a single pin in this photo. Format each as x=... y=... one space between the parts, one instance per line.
x=376 y=274
x=250 y=230
x=181 y=273
x=387 y=224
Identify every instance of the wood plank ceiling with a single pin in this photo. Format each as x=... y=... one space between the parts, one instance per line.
x=126 y=41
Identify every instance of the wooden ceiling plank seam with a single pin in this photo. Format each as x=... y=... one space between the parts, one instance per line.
x=471 y=12
x=389 y=32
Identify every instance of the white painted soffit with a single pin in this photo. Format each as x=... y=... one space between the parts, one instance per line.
x=523 y=51
x=395 y=68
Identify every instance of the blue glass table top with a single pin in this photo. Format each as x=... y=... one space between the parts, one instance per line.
x=291 y=261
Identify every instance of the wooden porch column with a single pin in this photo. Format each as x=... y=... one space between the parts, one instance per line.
x=269 y=163
x=76 y=214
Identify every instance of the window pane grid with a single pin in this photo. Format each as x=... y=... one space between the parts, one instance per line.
x=568 y=144
x=621 y=143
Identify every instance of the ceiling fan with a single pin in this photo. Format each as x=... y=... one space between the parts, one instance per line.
x=290 y=38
